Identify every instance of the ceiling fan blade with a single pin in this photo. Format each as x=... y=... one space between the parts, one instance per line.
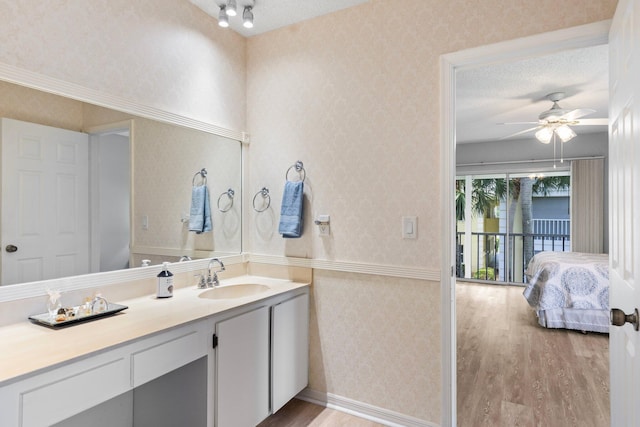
x=577 y=113
x=519 y=133
x=592 y=122
x=519 y=123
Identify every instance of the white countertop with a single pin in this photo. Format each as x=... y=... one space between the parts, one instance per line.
x=26 y=348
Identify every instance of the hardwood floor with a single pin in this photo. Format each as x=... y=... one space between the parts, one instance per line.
x=298 y=413
x=513 y=372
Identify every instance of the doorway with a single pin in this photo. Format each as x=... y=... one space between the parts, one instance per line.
x=588 y=35
x=110 y=148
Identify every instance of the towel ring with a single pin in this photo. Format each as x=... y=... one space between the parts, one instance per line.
x=229 y=193
x=265 y=195
x=299 y=167
x=203 y=174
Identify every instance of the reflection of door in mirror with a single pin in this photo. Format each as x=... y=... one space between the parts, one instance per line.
x=65 y=204
x=45 y=209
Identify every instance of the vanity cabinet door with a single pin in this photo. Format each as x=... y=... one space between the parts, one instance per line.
x=242 y=369
x=289 y=349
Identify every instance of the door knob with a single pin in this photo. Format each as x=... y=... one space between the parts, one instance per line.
x=618 y=318
x=11 y=248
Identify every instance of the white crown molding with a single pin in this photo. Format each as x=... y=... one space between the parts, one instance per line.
x=48 y=84
x=361 y=410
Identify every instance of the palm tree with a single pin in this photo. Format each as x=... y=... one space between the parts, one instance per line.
x=488 y=192
x=485 y=195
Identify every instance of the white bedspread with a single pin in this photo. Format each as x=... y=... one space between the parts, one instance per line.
x=568 y=280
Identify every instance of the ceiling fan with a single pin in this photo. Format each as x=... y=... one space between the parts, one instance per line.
x=557 y=121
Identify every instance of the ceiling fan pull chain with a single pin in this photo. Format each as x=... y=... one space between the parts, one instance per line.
x=554 y=150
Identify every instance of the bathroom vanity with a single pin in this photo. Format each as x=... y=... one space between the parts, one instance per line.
x=217 y=359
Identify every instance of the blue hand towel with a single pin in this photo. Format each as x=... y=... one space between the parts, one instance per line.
x=200 y=213
x=291 y=210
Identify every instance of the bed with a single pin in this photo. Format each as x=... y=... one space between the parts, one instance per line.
x=569 y=290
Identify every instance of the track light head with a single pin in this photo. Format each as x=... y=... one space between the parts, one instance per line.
x=232 y=8
x=223 y=18
x=247 y=17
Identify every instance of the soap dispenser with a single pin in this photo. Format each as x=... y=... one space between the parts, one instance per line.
x=165 y=282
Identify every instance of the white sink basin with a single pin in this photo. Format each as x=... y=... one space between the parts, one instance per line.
x=234 y=291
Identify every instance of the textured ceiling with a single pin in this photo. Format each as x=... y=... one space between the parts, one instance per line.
x=272 y=14
x=515 y=92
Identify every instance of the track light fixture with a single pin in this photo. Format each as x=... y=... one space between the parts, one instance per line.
x=223 y=19
x=230 y=8
x=247 y=17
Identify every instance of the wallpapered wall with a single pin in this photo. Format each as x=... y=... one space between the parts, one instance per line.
x=355 y=95
x=166 y=54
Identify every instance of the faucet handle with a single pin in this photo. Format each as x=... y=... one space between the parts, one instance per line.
x=201 y=281
x=211 y=280
x=215 y=281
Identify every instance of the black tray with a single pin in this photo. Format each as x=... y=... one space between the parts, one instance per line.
x=45 y=319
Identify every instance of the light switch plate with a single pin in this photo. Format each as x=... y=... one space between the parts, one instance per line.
x=409 y=227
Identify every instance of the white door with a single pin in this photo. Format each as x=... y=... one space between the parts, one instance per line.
x=45 y=208
x=624 y=185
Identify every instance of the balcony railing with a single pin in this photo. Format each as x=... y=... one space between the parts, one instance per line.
x=552 y=226
x=504 y=258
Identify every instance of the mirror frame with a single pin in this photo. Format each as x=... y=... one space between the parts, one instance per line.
x=55 y=86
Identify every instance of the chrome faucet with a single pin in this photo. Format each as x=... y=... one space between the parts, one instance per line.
x=212 y=280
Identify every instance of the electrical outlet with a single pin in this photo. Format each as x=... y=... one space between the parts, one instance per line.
x=324 y=229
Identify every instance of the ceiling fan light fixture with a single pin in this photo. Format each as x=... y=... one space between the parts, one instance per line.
x=223 y=18
x=544 y=135
x=232 y=8
x=565 y=133
x=247 y=17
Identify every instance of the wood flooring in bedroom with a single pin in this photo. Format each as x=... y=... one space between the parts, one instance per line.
x=513 y=372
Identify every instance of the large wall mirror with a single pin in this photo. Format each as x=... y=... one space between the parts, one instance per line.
x=137 y=175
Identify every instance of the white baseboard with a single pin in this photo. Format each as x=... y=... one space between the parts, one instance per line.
x=362 y=410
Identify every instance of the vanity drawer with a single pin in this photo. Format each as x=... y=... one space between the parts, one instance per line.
x=162 y=356
x=66 y=392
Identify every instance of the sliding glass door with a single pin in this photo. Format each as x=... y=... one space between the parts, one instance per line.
x=504 y=219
